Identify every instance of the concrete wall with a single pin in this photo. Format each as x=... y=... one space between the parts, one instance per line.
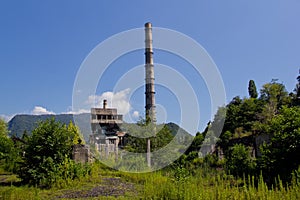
x=81 y=153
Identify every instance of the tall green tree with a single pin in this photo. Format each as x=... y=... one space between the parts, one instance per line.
x=281 y=155
x=241 y=114
x=252 y=89
x=6 y=146
x=3 y=128
x=296 y=95
x=298 y=86
x=275 y=96
x=76 y=134
x=48 y=153
x=10 y=153
x=274 y=93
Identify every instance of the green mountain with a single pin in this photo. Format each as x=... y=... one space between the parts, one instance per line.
x=26 y=123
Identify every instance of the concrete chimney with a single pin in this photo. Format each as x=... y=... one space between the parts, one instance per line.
x=104 y=103
x=149 y=74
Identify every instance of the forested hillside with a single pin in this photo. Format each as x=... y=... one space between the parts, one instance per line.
x=261 y=133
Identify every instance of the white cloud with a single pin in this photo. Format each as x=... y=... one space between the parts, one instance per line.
x=38 y=110
x=136 y=114
x=81 y=111
x=117 y=100
x=6 y=118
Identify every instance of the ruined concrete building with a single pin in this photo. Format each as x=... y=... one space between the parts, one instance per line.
x=81 y=153
x=105 y=122
x=106 y=133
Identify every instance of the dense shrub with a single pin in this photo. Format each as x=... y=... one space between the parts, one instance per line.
x=47 y=157
x=239 y=161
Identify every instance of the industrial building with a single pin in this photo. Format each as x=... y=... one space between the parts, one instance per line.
x=106 y=133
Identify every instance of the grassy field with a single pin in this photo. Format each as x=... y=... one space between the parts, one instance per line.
x=104 y=183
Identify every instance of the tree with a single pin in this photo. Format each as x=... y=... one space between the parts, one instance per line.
x=139 y=134
x=233 y=115
x=298 y=86
x=48 y=154
x=76 y=134
x=249 y=112
x=3 y=128
x=218 y=122
x=275 y=96
x=7 y=152
x=252 y=89
x=162 y=138
x=239 y=161
x=274 y=93
x=241 y=114
x=197 y=142
x=296 y=95
x=281 y=155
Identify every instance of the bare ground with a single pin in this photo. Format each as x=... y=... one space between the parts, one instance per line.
x=112 y=187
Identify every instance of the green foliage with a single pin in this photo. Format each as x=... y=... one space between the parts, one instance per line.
x=48 y=154
x=76 y=134
x=211 y=160
x=296 y=95
x=132 y=163
x=181 y=174
x=48 y=150
x=3 y=128
x=197 y=142
x=275 y=96
x=218 y=123
x=298 y=86
x=238 y=161
x=138 y=141
x=6 y=146
x=280 y=155
x=9 y=155
x=178 y=183
x=213 y=186
x=242 y=113
x=252 y=89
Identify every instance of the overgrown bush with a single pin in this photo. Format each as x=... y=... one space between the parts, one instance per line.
x=239 y=161
x=47 y=157
x=9 y=154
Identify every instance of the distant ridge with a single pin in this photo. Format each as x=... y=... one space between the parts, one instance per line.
x=21 y=123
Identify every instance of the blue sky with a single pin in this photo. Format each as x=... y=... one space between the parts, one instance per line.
x=43 y=44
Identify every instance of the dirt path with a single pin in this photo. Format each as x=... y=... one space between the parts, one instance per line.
x=109 y=187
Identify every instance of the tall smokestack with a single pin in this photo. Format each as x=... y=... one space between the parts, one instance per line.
x=149 y=72
x=104 y=103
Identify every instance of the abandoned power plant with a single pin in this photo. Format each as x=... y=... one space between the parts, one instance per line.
x=108 y=139
x=106 y=136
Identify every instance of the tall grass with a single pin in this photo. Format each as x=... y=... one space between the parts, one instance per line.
x=218 y=186
x=168 y=184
